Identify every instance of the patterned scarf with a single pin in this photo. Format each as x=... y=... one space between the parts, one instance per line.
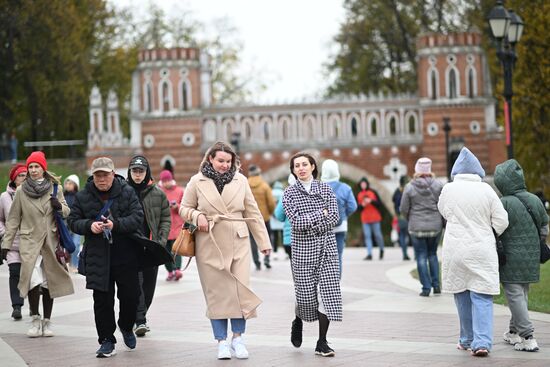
x=220 y=179
x=36 y=189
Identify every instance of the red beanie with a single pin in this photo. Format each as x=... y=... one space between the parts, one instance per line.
x=38 y=157
x=16 y=170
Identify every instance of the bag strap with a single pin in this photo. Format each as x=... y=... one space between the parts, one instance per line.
x=54 y=193
x=188 y=263
x=530 y=212
x=105 y=209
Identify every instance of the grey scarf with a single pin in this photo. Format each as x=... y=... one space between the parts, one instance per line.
x=36 y=189
x=220 y=179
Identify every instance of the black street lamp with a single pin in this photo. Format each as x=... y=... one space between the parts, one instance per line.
x=507 y=28
x=447 y=129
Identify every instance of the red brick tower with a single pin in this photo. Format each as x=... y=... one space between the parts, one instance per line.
x=453 y=82
x=169 y=89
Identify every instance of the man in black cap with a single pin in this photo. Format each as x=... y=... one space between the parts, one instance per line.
x=107 y=212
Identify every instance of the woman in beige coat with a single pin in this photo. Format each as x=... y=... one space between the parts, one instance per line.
x=32 y=214
x=219 y=201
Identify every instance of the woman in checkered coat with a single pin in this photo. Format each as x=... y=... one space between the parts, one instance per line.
x=312 y=210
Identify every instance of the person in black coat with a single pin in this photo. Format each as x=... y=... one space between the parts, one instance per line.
x=110 y=256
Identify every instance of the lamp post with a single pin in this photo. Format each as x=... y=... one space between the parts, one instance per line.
x=447 y=129
x=506 y=27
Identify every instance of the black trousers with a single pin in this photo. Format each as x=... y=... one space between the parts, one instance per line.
x=147 y=283
x=254 y=247
x=125 y=277
x=15 y=295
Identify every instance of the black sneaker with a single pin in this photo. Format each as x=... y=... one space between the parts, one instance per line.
x=129 y=338
x=296 y=332
x=141 y=329
x=425 y=293
x=368 y=257
x=437 y=290
x=16 y=314
x=106 y=350
x=323 y=349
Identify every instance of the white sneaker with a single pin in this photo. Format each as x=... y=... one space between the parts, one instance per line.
x=223 y=350
x=511 y=338
x=36 y=327
x=237 y=346
x=46 y=328
x=528 y=345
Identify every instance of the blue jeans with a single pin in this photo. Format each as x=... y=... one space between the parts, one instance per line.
x=368 y=229
x=403 y=236
x=74 y=255
x=340 y=244
x=475 y=312
x=425 y=249
x=219 y=327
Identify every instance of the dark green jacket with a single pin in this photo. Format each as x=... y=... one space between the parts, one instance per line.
x=521 y=240
x=157 y=213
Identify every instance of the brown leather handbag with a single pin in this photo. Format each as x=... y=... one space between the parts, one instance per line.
x=184 y=245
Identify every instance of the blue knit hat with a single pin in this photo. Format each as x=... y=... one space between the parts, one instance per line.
x=467 y=162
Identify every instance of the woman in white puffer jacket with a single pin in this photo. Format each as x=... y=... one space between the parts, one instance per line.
x=469 y=262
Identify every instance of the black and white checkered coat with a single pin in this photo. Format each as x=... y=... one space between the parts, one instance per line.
x=314 y=254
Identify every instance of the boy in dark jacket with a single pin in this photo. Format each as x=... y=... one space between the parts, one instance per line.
x=155 y=225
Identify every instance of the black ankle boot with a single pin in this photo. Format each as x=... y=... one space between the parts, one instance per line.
x=296 y=332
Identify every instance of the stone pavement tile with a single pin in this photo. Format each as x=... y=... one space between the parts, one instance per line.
x=385 y=324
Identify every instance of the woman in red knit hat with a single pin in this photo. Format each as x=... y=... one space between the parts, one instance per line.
x=32 y=214
x=17 y=176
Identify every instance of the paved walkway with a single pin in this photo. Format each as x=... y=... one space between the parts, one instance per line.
x=385 y=323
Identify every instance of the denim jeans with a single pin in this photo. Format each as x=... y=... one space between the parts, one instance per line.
x=403 y=236
x=425 y=249
x=475 y=312
x=340 y=244
x=15 y=271
x=368 y=229
x=74 y=255
x=219 y=327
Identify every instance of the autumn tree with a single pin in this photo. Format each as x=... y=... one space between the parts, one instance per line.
x=377 y=43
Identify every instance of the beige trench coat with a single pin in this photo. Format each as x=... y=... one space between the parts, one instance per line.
x=37 y=236
x=223 y=254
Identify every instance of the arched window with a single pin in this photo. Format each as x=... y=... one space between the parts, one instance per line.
x=373 y=127
x=96 y=122
x=185 y=94
x=353 y=127
x=184 y=105
x=471 y=83
x=452 y=84
x=149 y=98
x=165 y=97
x=412 y=125
x=433 y=83
x=393 y=125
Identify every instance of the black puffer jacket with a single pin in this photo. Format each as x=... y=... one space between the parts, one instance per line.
x=127 y=216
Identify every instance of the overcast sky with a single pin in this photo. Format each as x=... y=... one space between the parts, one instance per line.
x=287 y=40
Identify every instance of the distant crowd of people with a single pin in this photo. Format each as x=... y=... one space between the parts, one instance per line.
x=125 y=228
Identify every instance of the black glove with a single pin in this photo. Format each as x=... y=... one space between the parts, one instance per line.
x=4 y=254
x=56 y=205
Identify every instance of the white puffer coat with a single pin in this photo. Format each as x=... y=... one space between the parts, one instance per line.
x=469 y=262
